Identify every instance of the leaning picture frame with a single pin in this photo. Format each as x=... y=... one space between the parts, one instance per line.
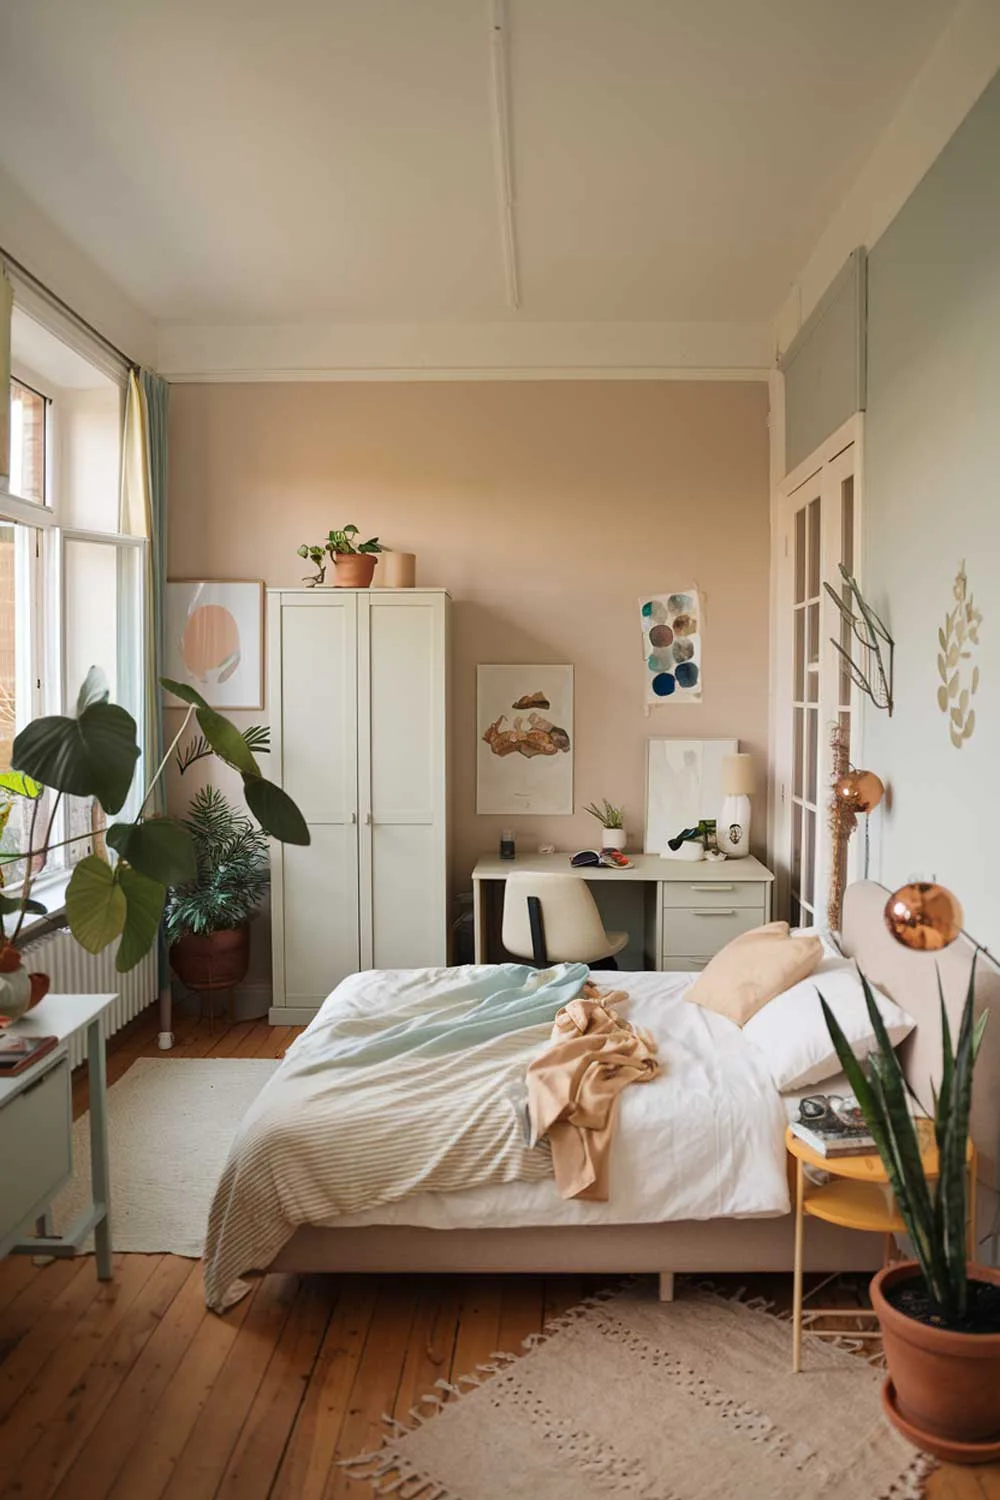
x=214 y=639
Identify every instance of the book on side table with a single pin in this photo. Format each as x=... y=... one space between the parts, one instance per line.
x=19 y=1052
x=833 y=1125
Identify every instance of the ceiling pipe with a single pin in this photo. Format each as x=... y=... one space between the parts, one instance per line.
x=499 y=101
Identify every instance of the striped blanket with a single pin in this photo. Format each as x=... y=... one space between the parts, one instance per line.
x=407 y=1081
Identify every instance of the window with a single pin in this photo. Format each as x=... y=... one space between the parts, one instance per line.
x=70 y=582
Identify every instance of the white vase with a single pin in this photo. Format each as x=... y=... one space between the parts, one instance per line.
x=732 y=829
x=613 y=838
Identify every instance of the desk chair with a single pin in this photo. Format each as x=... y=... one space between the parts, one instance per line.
x=553 y=919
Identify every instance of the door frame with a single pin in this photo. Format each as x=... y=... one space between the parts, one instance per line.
x=849 y=435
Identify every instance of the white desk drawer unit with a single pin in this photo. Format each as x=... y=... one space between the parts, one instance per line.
x=698 y=918
x=35 y=1145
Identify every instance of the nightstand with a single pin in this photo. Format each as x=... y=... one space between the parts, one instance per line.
x=857 y=1196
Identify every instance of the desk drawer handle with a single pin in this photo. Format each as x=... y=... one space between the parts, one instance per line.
x=713 y=911
x=711 y=889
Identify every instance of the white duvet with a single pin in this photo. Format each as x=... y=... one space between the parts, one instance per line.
x=704 y=1140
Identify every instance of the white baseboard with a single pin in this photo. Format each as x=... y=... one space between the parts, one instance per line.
x=291 y=1015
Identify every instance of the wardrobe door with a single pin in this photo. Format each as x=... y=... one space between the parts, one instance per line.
x=402 y=779
x=314 y=740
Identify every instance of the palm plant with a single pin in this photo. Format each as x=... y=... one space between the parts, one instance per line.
x=232 y=870
x=933 y=1210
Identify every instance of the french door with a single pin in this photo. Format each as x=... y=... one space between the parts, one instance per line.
x=814 y=701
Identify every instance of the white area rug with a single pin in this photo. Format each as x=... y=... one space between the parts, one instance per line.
x=170 y=1126
x=689 y=1400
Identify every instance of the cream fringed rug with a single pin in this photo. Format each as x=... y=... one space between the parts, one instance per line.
x=626 y=1396
x=170 y=1125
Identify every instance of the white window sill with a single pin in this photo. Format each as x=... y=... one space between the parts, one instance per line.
x=51 y=892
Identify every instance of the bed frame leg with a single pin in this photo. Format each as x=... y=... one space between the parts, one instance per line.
x=666 y=1286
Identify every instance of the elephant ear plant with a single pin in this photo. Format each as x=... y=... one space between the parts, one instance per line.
x=934 y=1211
x=94 y=754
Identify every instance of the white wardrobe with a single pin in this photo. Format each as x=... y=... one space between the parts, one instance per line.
x=358 y=697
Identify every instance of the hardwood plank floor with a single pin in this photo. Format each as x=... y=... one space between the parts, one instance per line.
x=133 y=1390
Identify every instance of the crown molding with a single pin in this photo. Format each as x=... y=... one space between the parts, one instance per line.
x=515 y=350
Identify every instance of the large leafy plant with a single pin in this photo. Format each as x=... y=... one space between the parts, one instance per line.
x=933 y=1209
x=232 y=873
x=93 y=754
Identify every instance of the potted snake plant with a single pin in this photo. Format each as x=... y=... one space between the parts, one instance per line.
x=939 y=1313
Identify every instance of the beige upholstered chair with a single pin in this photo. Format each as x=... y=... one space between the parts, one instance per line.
x=571 y=930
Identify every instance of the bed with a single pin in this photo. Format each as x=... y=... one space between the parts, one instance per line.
x=716 y=1112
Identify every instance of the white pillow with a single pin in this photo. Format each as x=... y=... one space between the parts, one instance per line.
x=826 y=935
x=791 y=1033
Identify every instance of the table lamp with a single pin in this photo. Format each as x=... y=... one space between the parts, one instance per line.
x=733 y=828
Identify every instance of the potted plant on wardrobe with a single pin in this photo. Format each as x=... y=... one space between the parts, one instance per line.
x=207 y=920
x=353 y=562
x=940 y=1313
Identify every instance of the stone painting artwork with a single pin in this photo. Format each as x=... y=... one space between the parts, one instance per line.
x=213 y=640
x=958 y=640
x=671 y=639
x=524 y=730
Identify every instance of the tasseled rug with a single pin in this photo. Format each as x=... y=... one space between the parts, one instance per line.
x=688 y=1400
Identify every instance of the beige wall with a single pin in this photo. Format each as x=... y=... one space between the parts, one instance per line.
x=545 y=508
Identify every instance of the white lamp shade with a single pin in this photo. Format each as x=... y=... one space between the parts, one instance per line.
x=737 y=775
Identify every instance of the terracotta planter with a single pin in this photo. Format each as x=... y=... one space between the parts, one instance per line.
x=214 y=960
x=945 y=1386
x=353 y=570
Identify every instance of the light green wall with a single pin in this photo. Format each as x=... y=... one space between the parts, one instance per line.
x=932 y=499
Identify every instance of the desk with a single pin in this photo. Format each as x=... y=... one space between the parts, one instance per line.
x=689 y=910
x=36 y=1135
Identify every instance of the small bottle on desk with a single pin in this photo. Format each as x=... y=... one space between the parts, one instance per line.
x=507 y=844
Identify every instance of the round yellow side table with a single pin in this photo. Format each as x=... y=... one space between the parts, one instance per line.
x=857 y=1196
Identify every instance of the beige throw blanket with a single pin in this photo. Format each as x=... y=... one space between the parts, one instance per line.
x=574 y=1087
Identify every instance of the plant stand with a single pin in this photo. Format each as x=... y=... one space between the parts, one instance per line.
x=221 y=987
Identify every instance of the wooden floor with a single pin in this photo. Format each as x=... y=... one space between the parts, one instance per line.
x=133 y=1390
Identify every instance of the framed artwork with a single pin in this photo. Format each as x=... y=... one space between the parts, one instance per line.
x=683 y=785
x=524 y=734
x=214 y=639
x=671 y=645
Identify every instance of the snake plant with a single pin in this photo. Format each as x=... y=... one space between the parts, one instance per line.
x=933 y=1209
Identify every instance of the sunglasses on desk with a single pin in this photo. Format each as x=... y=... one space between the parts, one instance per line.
x=831 y=1109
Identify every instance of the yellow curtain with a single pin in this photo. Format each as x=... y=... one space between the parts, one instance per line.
x=6 y=307
x=136 y=519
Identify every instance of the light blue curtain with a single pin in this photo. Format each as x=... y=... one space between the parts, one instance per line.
x=144 y=513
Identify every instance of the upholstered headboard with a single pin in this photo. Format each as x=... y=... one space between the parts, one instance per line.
x=911 y=980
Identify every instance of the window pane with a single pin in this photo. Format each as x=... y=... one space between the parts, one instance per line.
x=800 y=655
x=90 y=625
x=800 y=556
x=9 y=632
x=27 y=442
x=812 y=750
x=847 y=523
x=90 y=447
x=808 y=857
x=812 y=651
x=797 y=753
x=17 y=546
x=814 y=547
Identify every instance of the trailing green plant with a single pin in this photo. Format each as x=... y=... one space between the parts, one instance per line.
x=93 y=754
x=933 y=1210
x=232 y=870
x=341 y=542
x=607 y=815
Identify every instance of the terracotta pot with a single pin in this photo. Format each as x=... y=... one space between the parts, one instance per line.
x=39 y=987
x=947 y=1385
x=216 y=960
x=353 y=570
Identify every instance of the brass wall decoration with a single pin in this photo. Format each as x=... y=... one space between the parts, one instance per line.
x=957 y=640
x=869 y=655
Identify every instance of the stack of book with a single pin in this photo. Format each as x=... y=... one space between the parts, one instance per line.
x=19 y=1052
x=833 y=1135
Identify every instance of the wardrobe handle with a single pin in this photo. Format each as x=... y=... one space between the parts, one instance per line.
x=368 y=819
x=354 y=817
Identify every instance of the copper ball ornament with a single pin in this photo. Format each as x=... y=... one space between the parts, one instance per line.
x=924 y=916
x=861 y=791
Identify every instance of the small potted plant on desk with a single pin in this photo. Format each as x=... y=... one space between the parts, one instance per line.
x=353 y=562
x=939 y=1314
x=207 y=919
x=611 y=821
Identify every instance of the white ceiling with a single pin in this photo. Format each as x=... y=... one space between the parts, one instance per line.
x=235 y=161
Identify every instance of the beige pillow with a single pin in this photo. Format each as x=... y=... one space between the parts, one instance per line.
x=752 y=969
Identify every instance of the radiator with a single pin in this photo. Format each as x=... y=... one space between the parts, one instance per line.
x=74 y=971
